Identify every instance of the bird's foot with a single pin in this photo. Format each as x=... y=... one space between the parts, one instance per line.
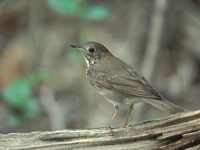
x=126 y=126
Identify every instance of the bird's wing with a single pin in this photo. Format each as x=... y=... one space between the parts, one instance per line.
x=132 y=84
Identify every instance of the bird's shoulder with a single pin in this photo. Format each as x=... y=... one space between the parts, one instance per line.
x=93 y=74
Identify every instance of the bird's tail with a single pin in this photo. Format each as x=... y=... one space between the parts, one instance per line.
x=165 y=105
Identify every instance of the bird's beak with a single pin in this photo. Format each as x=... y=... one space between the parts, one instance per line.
x=79 y=47
x=75 y=46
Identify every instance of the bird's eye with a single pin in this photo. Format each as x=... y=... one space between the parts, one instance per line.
x=91 y=49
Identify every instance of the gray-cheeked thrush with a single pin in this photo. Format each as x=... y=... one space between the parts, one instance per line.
x=118 y=82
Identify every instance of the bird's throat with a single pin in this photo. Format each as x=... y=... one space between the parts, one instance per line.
x=88 y=60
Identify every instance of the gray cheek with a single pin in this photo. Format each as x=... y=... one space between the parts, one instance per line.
x=94 y=57
x=98 y=55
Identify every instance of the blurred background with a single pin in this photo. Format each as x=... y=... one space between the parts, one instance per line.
x=42 y=80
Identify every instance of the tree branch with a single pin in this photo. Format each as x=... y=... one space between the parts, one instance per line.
x=178 y=131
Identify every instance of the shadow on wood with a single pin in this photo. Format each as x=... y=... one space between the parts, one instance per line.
x=180 y=131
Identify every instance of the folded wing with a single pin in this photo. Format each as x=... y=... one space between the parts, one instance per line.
x=131 y=84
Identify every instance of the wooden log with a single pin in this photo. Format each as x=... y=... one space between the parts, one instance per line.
x=180 y=131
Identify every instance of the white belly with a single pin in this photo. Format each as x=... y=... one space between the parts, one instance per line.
x=117 y=98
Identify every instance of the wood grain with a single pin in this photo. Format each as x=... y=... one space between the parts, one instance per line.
x=180 y=131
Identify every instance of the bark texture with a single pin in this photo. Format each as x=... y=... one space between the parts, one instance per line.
x=180 y=131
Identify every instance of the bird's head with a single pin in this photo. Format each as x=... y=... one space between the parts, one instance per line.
x=92 y=51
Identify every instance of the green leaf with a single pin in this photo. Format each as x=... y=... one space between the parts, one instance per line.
x=95 y=12
x=32 y=108
x=43 y=74
x=65 y=7
x=18 y=95
x=17 y=92
x=15 y=120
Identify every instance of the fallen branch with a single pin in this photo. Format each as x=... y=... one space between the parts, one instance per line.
x=180 y=131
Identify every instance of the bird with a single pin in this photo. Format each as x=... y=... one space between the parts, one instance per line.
x=118 y=82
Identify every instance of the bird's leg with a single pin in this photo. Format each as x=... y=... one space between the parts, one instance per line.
x=113 y=116
x=129 y=113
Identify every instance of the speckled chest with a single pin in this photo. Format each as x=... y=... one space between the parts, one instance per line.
x=91 y=77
